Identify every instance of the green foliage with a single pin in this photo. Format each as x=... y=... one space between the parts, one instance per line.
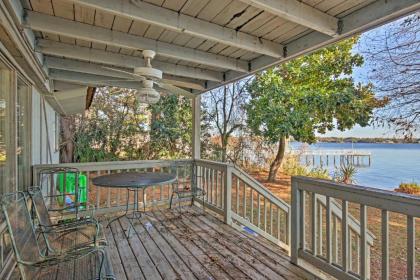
x=293 y=167
x=171 y=127
x=117 y=127
x=311 y=94
x=409 y=188
x=345 y=174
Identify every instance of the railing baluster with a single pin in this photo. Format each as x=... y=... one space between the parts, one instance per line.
x=97 y=191
x=278 y=224
x=344 y=235
x=334 y=234
x=244 y=201
x=271 y=218
x=212 y=186
x=237 y=195
x=411 y=248
x=328 y=229
x=302 y=219
x=385 y=245
x=108 y=199
x=320 y=232
x=314 y=223
x=216 y=188
x=118 y=193
x=252 y=205
x=363 y=232
x=265 y=215
x=259 y=210
x=87 y=189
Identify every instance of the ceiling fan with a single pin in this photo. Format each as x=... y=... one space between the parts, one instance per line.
x=151 y=81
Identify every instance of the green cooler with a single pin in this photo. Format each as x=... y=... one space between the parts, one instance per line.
x=70 y=185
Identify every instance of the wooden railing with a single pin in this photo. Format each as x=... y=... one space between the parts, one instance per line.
x=350 y=261
x=247 y=205
x=102 y=200
x=243 y=202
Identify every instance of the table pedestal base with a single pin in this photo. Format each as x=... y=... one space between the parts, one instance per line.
x=135 y=214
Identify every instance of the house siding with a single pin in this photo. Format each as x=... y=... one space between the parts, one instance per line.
x=44 y=129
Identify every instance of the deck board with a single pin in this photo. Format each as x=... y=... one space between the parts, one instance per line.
x=191 y=245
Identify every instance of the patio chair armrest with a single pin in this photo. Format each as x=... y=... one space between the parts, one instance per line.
x=64 y=257
x=63 y=226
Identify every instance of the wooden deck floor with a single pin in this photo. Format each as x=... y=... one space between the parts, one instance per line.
x=167 y=245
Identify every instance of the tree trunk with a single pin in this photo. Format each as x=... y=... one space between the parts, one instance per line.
x=67 y=134
x=224 y=149
x=276 y=164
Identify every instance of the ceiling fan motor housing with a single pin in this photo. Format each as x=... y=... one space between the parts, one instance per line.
x=148 y=72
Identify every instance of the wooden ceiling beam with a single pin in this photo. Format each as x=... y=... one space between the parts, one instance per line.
x=99 y=56
x=93 y=80
x=166 y=18
x=60 y=26
x=97 y=69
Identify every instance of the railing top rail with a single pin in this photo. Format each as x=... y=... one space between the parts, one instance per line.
x=86 y=166
x=382 y=199
x=250 y=181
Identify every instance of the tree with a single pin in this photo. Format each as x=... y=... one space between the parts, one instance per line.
x=171 y=127
x=393 y=59
x=118 y=127
x=225 y=111
x=309 y=95
x=113 y=128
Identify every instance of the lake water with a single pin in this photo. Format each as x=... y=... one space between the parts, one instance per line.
x=391 y=163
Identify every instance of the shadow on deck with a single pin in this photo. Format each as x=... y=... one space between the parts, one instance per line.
x=167 y=245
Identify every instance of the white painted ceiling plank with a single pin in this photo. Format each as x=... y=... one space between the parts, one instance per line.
x=300 y=13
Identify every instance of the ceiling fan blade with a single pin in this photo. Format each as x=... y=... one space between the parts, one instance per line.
x=141 y=78
x=173 y=89
x=115 y=80
x=183 y=84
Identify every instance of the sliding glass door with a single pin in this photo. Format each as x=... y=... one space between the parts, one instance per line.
x=6 y=138
x=23 y=134
x=15 y=131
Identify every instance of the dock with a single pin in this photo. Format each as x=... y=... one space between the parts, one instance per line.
x=335 y=157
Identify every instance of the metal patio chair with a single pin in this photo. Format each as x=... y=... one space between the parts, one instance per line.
x=32 y=262
x=191 y=190
x=47 y=180
x=82 y=232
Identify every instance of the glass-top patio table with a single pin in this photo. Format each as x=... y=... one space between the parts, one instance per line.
x=133 y=182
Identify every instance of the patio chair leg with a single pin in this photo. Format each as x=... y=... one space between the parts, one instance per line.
x=170 y=202
x=102 y=256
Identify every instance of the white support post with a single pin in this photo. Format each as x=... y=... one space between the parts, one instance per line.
x=295 y=222
x=228 y=195
x=196 y=115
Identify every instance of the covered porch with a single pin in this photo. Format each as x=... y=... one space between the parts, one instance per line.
x=52 y=54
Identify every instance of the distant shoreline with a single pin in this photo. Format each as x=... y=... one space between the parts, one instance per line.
x=368 y=140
